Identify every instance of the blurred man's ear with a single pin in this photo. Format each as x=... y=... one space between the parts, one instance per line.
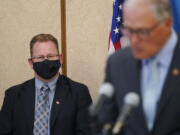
x=61 y=58
x=30 y=62
x=168 y=22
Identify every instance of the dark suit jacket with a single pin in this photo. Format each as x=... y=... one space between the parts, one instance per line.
x=70 y=117
x=123 y=71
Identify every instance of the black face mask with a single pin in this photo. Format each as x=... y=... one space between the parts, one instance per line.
x=47 y=68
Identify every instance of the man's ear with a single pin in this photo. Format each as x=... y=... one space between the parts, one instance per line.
x=61 y=58
x=168 y=22
x=30 y=62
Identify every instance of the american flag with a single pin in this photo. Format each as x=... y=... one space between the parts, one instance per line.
x=116 y=39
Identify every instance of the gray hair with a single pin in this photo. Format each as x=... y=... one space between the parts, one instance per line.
x=161 y=8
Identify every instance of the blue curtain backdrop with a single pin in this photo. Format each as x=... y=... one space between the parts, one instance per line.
x=176 y=14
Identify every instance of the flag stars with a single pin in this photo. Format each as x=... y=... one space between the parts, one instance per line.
x=120 y=7
x=114 y=1
x=116 y=30
x=118 y=19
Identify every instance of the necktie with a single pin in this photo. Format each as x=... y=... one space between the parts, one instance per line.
x=41 y=123
x=150 y=94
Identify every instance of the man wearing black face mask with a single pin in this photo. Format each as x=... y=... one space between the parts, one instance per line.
x=49 y=104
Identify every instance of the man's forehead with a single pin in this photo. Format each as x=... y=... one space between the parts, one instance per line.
x=139 y=3
x=139 y=16
x=41 y=46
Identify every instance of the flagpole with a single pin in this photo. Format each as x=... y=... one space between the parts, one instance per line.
x=63 y=36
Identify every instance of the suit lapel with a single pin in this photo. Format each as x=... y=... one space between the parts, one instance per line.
x=133 y=79
x=171 y=81
x=59 y=98
x=137 y=85
x=28 y=100
x=136 y=76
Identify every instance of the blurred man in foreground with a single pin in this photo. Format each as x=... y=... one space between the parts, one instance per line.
x=150 y=67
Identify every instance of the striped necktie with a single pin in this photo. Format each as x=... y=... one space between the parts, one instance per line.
x=41 y=123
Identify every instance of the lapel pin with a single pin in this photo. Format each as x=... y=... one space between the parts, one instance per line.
x=57 y=102
x=175 y=72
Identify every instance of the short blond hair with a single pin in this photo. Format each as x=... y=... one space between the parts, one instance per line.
x=43 y=38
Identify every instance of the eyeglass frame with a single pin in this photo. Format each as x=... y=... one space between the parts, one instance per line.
x=42 y=58
x=138 y=32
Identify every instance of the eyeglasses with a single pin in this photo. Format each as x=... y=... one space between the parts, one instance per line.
x=42 y=58
x=141 y=33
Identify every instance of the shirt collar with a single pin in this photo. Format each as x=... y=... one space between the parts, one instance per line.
x=165 y=54
x=51 y=84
